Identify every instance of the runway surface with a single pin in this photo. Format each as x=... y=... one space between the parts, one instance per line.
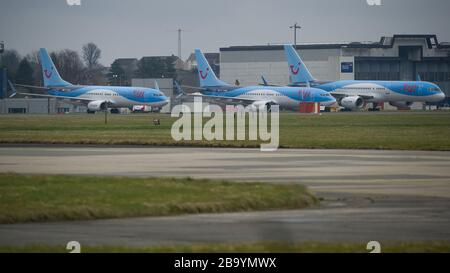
x=368 y=195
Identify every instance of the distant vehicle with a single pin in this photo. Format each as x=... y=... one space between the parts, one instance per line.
x=353 y=94
x=145 y=109
x=96 y=98
x=255 y=96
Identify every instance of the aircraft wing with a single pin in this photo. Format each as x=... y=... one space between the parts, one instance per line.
x=32 y=86
x=225 y=98
x=193 y=87
x=222 y=99
x=209 y=88
x=266 y=83
x=52 y=96
x=42 y=95
x=67 y=88
x=273 y=85
x=339 y=95
x=72 y=99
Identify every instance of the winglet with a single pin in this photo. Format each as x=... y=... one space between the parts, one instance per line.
x=156 y=85
x=418 y=78
x=180 y=90
x=264 y=81
x=13 y=89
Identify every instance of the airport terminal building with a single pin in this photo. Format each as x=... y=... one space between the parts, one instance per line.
x=401 y=57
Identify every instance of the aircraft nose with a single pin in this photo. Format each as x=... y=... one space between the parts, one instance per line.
x=441 y=96
x=330 y=102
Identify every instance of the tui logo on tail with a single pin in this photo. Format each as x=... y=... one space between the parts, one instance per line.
x=294 y=70
x=47 y=73
x=206 y=74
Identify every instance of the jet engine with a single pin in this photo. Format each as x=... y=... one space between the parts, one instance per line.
x=97 y=105
x=352 y=103
x=258 y=105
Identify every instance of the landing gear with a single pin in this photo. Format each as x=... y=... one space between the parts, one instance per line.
x=374 y=108
x=90 y=111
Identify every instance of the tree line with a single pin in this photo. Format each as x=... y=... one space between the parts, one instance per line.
x=84 y=68
x=147 y=67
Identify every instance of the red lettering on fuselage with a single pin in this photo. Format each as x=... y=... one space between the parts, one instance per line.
x=138 y=93
x=411 y=88
x=304 y=94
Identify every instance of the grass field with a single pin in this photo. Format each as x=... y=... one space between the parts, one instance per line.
x=37 y=198
x=402 y=130
x=259 y=247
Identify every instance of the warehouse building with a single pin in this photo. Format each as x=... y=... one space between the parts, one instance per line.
x=37 y=106
x=401 y=57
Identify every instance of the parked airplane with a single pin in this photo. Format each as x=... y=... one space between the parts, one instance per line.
x=354 y=94
x=96 y=98
x=256 y=96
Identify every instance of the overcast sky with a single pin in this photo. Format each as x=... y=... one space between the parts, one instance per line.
x=136 y=28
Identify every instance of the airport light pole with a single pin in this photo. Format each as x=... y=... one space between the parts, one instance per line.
x=115 y=79
x=295 y=27
x=180 y=30
x=2 y=49
x=118 y=79
x=106 y=114
x=179 y=42
x=4 y=87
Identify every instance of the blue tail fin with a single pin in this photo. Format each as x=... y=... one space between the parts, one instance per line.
x=297 y=69
x=51 y=75
x=205 y=73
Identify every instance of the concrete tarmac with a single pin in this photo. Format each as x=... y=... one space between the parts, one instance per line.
x=368 y=195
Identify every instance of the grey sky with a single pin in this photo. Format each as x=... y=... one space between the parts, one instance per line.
x=136 y=28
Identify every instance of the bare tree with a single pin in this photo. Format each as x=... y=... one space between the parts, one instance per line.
x=69 y=65
x=10 y=59
x=35 y=62
x=24 y=73
x=91 y=55
x=95 y=71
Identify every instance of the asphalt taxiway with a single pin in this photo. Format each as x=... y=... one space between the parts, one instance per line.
x=367 y=195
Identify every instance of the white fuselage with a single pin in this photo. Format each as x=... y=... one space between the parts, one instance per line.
x=382 y=94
